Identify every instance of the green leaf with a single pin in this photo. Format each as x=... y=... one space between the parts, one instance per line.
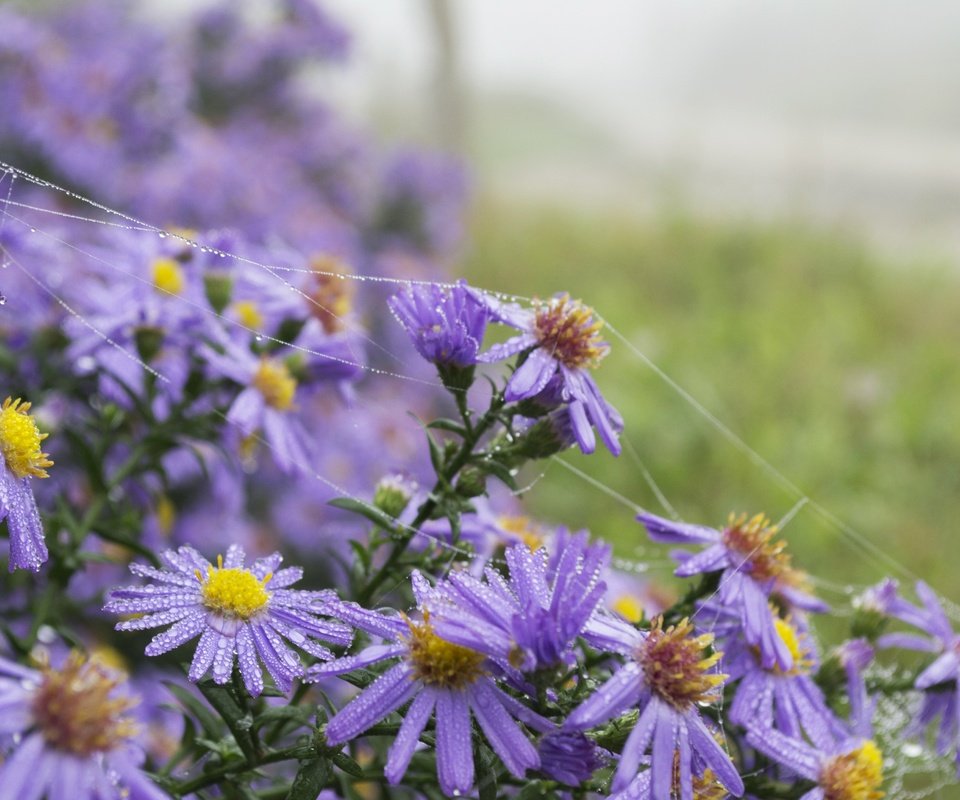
x=348 y=765
x=208 y=721
x=283 y=713
x=448 y=425
x=311 y=778
x=486 y=774
x=364 y=509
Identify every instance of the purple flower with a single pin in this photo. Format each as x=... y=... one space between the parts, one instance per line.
x=74 y=735
x=22 y=461
x=770 y=697
x=239 y=613
x=940 y=681
x=445 y=324
x=560 y=340
x=267 y=402
x=438 y=678
x=531 y=621
x=754 y=566
x=668 y=675
x=569 y=757
x=851 y=769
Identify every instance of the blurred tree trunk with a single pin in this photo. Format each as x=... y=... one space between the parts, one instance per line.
x=448 y=105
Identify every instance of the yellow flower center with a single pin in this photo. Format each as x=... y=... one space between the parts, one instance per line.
x=234 y=592
x=798 y=651
x=440 y=663
x=857 y=775
x=20 y=441
x=754 y=540
x=75 y=711
x=248 y=312
x=528 y=532
x=568 y=330
x=168 y=276
x=629 y=607
x=331 y=297
x=275 y=383
x=675 y=666
x=166 y=513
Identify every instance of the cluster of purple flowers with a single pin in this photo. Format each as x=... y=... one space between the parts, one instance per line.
x=221 y=380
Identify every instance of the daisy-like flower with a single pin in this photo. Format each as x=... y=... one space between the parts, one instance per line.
x=440 y=679
x=769 y=697
x=73 y=734
x=445 y=324
x=22 y=461
x=267 y=402
x=561 y=340
x=754 y=566
x=847 y=770
x=531 y=620
x=939 y=682
x=668 y=675
x=240 y=614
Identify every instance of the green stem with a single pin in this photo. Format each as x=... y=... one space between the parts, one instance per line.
x=444 y=480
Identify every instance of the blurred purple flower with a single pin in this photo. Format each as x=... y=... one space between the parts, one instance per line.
x=74 y=735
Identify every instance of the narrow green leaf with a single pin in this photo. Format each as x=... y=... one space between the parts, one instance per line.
x=311 y=778
x=371 y=512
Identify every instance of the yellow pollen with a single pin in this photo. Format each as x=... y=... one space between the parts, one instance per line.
x=76 y=709
x=20 y=441
x=857 y=775
x=275 y=383
x=629 y=607
x=524 y=529
x=675 y=666
x=331 y=297
x=568 y=330
x=248 y=312
x=166 y=513
x=168 y=276
x=440 y=663
x=233 y=592
x=792 y=639
x=765 y=556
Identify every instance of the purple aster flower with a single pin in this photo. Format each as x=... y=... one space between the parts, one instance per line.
x=73 y=734
x=531 y=620
x=754 y=566
x=438 y=678
x=445 y=324
x=854 y=656
x=770 y=697
x=851 y=769
x=940 y=681
x=560 y=340
x=22 y=461
x=267 y=402
x=569 y=757
x=239 y=613
x=668 y=676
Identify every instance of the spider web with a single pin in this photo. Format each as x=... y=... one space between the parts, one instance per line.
x=913 y=773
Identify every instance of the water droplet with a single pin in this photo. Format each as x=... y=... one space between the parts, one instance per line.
x=912 y=750
x=162 y=235
x=3 y=300
x=33 y=230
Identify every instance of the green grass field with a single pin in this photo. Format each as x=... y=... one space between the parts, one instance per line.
x=837 y=366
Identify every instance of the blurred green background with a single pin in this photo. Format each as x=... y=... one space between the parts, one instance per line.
x=837 y=365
